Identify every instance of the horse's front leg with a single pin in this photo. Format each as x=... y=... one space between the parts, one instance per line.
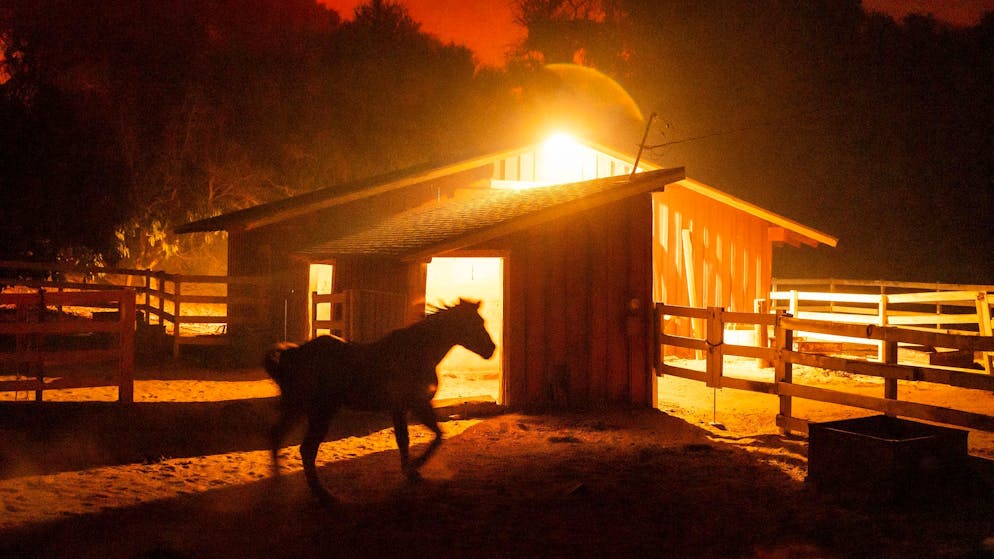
x=403 y=444
x=317 y=428
x=288 y=415
x=426 y=415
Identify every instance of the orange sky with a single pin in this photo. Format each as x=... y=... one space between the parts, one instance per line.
x=957 y=12
x=487 y=26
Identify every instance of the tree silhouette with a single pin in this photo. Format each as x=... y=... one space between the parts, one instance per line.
x=129 y=118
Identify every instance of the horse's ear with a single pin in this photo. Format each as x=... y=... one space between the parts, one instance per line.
x=475 y=304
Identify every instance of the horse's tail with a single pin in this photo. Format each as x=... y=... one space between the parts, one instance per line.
x=271 y=362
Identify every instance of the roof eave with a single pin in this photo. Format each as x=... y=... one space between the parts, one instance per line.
x=778 y=220
x=244 y=220
x=638 y=184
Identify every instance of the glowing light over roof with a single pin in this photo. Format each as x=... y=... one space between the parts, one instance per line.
x=560 y=160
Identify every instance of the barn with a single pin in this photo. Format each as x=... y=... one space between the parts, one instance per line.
x=567 y=247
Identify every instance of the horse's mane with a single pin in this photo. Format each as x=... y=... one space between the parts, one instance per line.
x=435 y=309
x=435 y=313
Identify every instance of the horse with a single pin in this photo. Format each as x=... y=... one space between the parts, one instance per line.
x=395 y=374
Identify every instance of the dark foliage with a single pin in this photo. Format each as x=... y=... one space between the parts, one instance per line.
x=877 y=131
x=129 y=118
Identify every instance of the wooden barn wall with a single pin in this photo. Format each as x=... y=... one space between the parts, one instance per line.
x=732 y=254
x=572 y=336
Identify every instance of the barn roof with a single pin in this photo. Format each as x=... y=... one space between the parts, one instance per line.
x=288 y=208
x=785 y=229
x=490 y=214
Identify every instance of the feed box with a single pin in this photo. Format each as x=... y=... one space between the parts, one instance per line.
x=882 y=457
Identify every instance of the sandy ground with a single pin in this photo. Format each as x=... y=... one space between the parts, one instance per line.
x=184 y=473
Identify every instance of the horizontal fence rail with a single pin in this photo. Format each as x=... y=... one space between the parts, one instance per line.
x=783 y=354
x=948 y=308
x=189 y=309
x=34 y=333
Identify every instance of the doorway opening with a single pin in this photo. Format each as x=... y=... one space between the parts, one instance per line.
x=463 y=374
x=320 y=282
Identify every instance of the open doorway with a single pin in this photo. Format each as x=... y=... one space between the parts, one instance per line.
x=463 y=374
x=320 y=282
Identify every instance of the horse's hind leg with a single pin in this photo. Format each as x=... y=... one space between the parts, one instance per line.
x=403 y=443
x=426 y=415
x=317 y=428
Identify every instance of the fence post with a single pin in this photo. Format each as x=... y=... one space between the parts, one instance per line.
x=882 y=319
x=715 y=340
x=37 y=341
x=889 y=351
x=938 y=308
x=314 y=314
x=984 y=323
x=148 y=296
x=783 y=369
x=761 y=306
x=160 y=285
x=126 y=362
x=177 y=289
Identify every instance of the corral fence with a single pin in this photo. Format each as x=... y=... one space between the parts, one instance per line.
x=948 y=308
x=177 y=309
x=781 y=350
x=35 y=338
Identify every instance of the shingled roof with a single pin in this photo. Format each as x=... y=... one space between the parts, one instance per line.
x=302 y=204
x=494 y=205
x=492 y=213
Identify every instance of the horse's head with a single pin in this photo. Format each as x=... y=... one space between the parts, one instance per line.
x=468 y=328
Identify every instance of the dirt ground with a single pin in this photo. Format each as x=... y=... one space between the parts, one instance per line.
x=184 y=472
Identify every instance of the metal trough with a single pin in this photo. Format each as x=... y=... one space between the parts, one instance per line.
x=884 y=458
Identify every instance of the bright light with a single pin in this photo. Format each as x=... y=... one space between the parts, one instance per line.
x=560 y=160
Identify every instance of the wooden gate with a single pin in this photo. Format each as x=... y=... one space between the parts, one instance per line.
x=357 y=315
x=40 y=335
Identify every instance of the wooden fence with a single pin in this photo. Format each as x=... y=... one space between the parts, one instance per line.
x=944 y=308
x=36 y=338
x=190 y=309
x=784 y=355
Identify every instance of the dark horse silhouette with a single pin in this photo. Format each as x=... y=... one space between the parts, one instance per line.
x=395 y=374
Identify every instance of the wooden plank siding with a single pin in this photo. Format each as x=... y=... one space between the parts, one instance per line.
x=732 y=254
x=639 y=317
x=571 y=338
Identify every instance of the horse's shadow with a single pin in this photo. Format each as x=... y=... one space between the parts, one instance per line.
x=49 y=437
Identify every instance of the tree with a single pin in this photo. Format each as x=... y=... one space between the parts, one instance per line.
x=129 y=118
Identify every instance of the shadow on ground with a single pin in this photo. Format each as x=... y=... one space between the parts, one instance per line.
x=623 y=483
x=49 y=437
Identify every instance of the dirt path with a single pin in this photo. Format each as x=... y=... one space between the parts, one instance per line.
x=184 y=473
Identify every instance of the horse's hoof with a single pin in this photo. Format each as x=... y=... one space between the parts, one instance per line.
x=414 y=476
x=325 y=499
